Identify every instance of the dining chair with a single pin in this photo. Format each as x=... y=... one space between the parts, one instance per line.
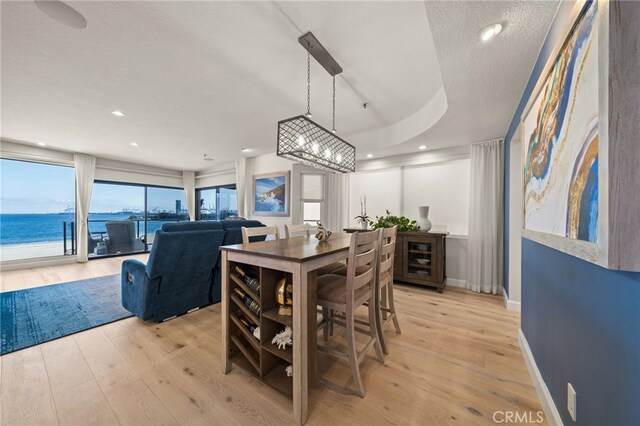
x=384 y=303
x=291 y=231
x=346 y=294
x=385 y=306
x=260 y=231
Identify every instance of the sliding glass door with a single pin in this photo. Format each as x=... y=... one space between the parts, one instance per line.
x=37 y=210
x=123 y=217
x=216 y=203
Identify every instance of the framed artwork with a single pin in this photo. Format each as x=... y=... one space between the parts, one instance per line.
x=271 y=194
x=577 y=177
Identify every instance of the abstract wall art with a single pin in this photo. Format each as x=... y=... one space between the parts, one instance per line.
x=561 y=137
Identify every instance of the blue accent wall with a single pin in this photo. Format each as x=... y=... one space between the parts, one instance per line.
x=582 y=322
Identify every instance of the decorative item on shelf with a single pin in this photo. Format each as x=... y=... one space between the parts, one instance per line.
x=251 y=327
x=425 y=223
x=302 y=139
x=389 y=221
x=284 y=297
x=283 y=338
x=363 y=218
x=248 y=301
x=249 y=278
x=289 y=370
x=322 y=234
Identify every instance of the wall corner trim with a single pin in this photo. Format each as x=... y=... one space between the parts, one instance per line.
x=549 y=407
x=454 y=282
x=511 y=305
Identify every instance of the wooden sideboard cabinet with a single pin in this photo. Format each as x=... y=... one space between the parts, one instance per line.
x=420 y=258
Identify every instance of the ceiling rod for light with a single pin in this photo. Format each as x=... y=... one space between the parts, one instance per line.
x=319 y=53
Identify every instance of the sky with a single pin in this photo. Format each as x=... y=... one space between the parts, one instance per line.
x=42 y=188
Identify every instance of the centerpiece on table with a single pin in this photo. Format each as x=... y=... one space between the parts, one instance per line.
x=389 y=221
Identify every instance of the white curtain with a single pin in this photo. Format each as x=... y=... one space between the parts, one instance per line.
x=337 y=201
x=189 y=183
x=85 y=173
x=241 y=186
x=486 y=217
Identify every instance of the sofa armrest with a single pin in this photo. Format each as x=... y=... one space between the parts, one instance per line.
x=138 y=293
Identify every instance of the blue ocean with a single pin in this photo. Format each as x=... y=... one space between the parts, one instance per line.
x=35 y=228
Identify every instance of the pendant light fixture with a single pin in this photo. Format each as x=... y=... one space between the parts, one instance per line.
x=302 y=139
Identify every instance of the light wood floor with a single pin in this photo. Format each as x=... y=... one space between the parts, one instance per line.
x=457 y=361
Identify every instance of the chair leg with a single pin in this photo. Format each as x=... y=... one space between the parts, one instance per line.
x=379 y=316
x=373 y=329
x=325 y=327
x=352 y=352
x=392 y=307
x=384 y=301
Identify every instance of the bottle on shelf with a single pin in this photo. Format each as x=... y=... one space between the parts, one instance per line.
x=249 y=326
x=249 y=279
x=248 y=301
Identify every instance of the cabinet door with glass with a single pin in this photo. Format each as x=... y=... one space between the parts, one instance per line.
x=419 y=255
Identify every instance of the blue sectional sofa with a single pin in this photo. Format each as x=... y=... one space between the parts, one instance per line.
x=183 y=270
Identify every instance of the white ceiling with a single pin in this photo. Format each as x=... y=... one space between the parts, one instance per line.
x=212 y=77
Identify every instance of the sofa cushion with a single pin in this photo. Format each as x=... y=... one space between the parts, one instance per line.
x=201 y=225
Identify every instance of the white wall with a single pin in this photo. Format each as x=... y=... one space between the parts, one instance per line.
x=401 y=184
x=444 y=187
x=515 y=220
x=382 y=188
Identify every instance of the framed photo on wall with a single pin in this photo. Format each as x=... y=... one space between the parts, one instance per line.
x=271 y=194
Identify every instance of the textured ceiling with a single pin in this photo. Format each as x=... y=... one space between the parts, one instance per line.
x=206 y=77
x=212 y=77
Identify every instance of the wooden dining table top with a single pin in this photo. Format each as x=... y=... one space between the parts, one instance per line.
x=297 y=249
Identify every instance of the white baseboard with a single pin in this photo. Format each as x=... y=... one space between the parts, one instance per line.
x=454 y=282
x=549 y=407
x=511 y=305
x=12 y=265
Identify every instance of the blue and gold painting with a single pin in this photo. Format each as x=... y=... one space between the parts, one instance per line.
x=271 y=194
x=560 y=179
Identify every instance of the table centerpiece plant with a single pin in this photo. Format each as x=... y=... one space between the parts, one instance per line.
x=404 y=223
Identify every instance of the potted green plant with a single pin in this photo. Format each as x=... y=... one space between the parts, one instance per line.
x=363 y=218
x=404 y=223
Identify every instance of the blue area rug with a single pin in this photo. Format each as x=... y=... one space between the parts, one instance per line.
x=37 y=315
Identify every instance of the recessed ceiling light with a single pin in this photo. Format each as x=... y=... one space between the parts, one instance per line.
x=422 y=147
x=369 y=155
x=118 y=113
x=490 y=31
x=42 y=144
x=245 y=149
x=133 y=144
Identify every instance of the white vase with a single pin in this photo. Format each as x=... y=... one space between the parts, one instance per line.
x=424 y=222
x=364 y=224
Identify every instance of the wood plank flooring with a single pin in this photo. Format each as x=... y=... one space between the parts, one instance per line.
x=457 y=361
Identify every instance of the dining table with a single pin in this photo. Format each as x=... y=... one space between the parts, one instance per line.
x=302 y=257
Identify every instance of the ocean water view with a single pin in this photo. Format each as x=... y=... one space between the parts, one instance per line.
x=40 y=228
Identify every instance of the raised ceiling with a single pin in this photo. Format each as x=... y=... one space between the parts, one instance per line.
x=198 y=78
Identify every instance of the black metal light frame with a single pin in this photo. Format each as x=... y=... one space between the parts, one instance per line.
x=302 y=139
x=319 y=147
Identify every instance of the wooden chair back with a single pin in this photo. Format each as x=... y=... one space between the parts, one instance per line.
x=261 y=231
x=361 y=266
x=291 y=231
x=386 y=253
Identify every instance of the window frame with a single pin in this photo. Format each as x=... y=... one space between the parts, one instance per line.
x=217 y=188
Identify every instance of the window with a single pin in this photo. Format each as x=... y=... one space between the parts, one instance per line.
x=37 y=210
x=216 y=203
x=312 y=198
x=123 y=218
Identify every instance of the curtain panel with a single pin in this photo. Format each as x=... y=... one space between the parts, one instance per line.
x=241 y=186
x=85 y=166
x=337 y=201
x=485 y=248
x=189 y=183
